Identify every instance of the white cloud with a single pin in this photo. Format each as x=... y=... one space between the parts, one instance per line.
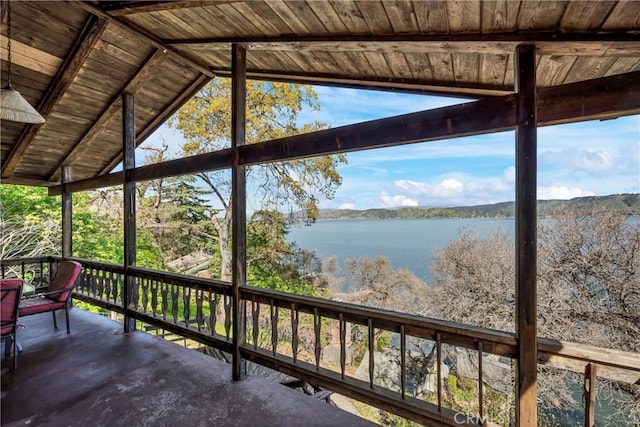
x=347 y=206
x=588 y=160
x=387 y=201
x=562 y=193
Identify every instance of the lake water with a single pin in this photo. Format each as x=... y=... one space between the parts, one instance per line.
x=407 y=243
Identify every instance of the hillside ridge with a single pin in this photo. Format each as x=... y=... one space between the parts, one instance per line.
x=627 y=204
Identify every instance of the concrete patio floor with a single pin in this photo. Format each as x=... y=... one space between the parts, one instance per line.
x=99 y=376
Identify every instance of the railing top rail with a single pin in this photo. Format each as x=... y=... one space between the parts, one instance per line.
x=88 y=263
x=15 y=261
x=589 y=354
x=380 y=316
x=176 y=277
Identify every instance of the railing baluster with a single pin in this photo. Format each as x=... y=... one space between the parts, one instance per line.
x=317 y=323
x=227 y=316
x=213 y=311
x=294 y=332
x=22 y=269
x=145 y=294
x=175 y=293
x=371 y=352
x=186 y=301
x=94 y=280
x=107 y=285
x=3 y=271
x=343 y=345
x=480 y=382
x=199 y=309
x=118 y=289
x=590 y=392
x=135 y=292
x=439 y=368
x=274 y=326
x=165 y=299
x=403 y=361
x=154 y=297
x=255 y=313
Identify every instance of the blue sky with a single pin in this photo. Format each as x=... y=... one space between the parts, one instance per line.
x=590 y=158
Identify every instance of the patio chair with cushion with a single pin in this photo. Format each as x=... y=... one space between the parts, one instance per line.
x=56 y=296
x=10 y=292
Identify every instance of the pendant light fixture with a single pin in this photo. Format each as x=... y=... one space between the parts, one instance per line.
x=13 y=106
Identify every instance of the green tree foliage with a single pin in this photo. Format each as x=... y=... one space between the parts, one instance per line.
x=30 y=222
x=272 y=111
x=31 y=226
x=276 y=264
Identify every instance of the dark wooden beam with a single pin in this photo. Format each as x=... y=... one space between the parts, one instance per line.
x=473 y=118
x=73 y=62
x=238 y=202
x=272 y=42
x=602 y=98
x=100 y=181
x=393 y=84
x=120 y=8
x=607 y=97
x=526 y=237
x=148 y=37
x=67 y=215
x=144 y=74
x=164 y=115
x=129 y=197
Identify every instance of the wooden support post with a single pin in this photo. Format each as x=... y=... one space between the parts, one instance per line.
x=238 y=201
x=129 y=199
x=526 y=239
x=67 y=211
x=590 y=391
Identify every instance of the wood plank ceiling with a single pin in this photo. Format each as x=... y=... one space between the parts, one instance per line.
x=73 y=60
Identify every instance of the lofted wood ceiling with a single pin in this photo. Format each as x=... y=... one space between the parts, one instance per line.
x=73 y=60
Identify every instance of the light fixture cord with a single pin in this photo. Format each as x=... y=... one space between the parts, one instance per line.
x=9 y=43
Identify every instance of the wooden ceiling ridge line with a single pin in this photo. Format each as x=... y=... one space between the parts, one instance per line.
x=82 y=47
x=605 y=97
x=159 y=120
x=128 y=26
x=144 y=73
x=419 y=86
x=512 y=37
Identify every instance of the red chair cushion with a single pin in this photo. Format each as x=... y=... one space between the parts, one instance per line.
x=39 y=305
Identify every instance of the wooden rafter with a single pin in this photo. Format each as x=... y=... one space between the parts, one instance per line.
x=154 y=124
x=120 y=8
x=416 y=86
x=183 y=57
x=80 y=51
x=144 y=74
x=344 y=42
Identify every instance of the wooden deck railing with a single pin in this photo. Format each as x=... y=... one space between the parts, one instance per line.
x=287 y=332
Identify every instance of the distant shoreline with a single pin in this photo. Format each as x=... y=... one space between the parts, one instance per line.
x=626 y=204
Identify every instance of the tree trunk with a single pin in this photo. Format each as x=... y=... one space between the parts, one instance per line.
x=226 y=261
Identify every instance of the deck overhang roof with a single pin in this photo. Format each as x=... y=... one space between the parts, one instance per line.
x=73 y=60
